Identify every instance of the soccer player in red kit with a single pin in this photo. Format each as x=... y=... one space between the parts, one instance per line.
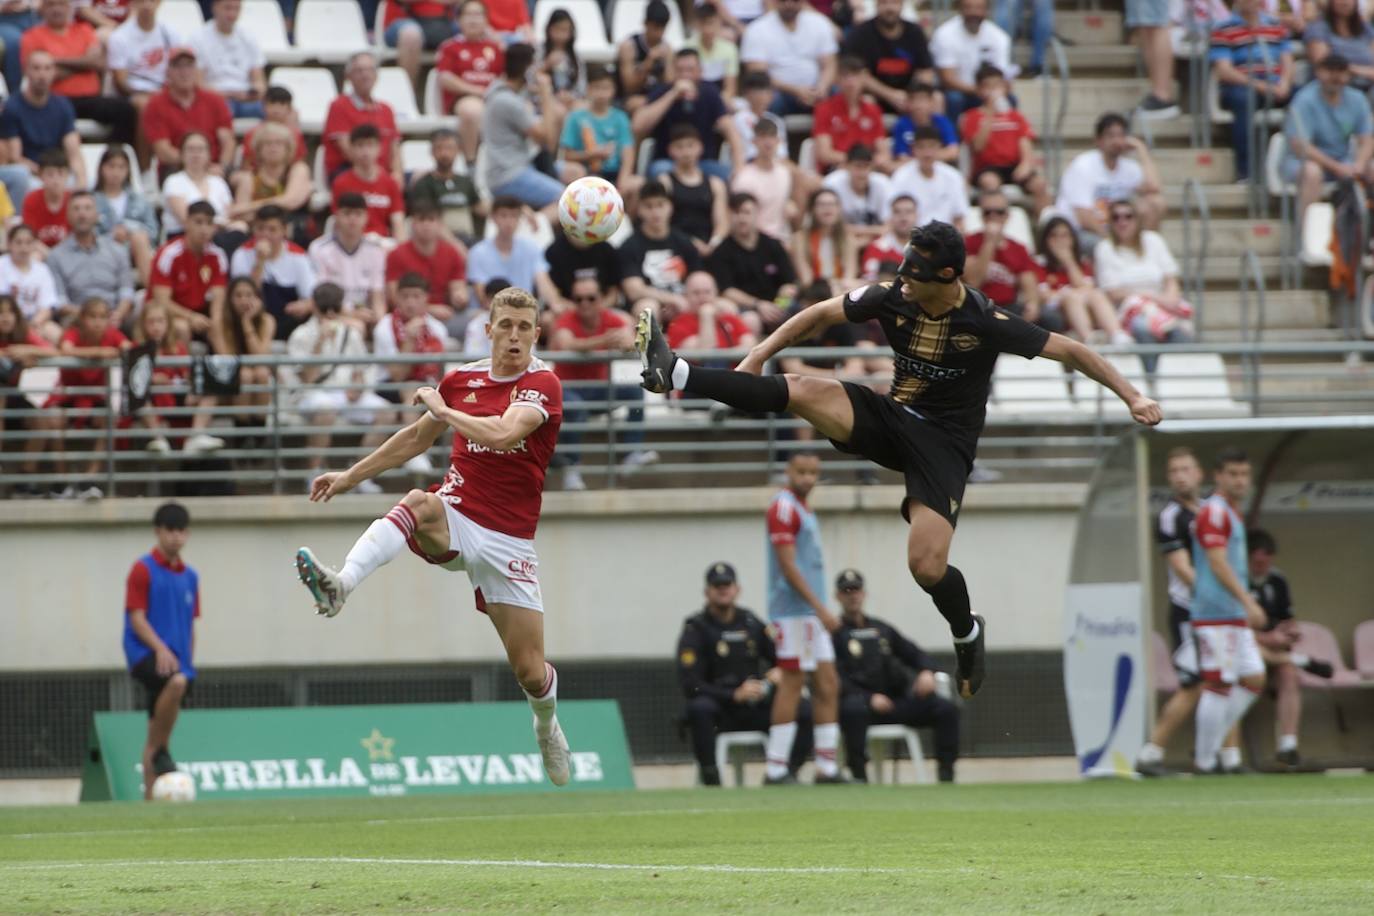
x=505 y=412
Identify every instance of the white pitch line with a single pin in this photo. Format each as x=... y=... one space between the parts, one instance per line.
x=463 y=863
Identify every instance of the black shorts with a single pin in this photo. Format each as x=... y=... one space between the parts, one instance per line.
x=145 y=672
x=936 y=467
x=1187 y=669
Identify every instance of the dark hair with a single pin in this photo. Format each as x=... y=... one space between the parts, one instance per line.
x=464 y=5
x=202 y=208
x=1352 y=23
x=705 y=11
x=904 y=196
x=943 y=243
x=271 y=211
x=1181 y=451
x=329 y=297
x=423 y=208
x=17 y=228
x=686 y=52
x=803 y=453
x=851 y=63
x=988 y=71
x=20 y=334
x=277 y=95
x=172 y=517
x=816 y=291
x=919 y=86
x=1337 y=62
x=53 y=158
x=1259 y=539
x=1108 y=121
x=519 y=58
x=739 y=198
x=926 y=133
x=766 y=127
x=859 y=152
x=1229 y=455
x=1042 y=238
x=654 y=189
x=78 y=194
x=444 y=133
x=597 y=73
x=351 y=201
x=506 y=202
x=683 y=131
x=112 y=152
x=559 y=16
x=494 y=286
x=364 y=132
x=412 y=280
x=755 y=79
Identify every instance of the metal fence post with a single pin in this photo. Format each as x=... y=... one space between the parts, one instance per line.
x=277 y=469
x=109 y=432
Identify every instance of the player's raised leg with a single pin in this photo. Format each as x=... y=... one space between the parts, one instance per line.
x=522 y=633
x=928 y=559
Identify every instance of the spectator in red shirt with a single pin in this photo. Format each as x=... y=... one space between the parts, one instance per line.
x=190 y=272
x=440 y=262
x=156 y=325
x=1002 y=141
x=182 y=108
x=707 y=308
x=408 y=329
x=45 y=209
x=467 y=65
x=1069 y=286
x=1002 y=268
x=276 y=103
x=81 y=65
x=357 y=107
x=385 y=204
x=415 y=26
x=510 y=20
x=848 y=118
x=91 y=336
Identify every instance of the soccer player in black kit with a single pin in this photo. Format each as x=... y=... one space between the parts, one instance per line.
x=945 y=339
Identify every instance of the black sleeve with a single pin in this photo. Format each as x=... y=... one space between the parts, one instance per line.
x=856 y=46
x=920 y=49
x=910 y=654
x=631 y=258
x=1283 y=598
x=865 y=303
x=1013 y=334
x=720 y=265
x=687 y=251
x=787 y=273
x=691 y=667
x=1167 y=532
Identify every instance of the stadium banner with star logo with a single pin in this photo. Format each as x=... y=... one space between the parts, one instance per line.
x=361 y=750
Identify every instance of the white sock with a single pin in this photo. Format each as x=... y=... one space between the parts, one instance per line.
x=970 y=636
x=1211 y=728
x=383 y=540
x=680 y=370
x=1150 y=753
x=1298 y=659
x=1288 y=743
x=827 y=743
x=1230 y=758
x=780 y=738
x=545 y=701
x=1240 y=702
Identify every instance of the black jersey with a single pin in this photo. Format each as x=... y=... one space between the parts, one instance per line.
x=877 y=658
x=942 y=367
x=714 y=658
x=1272 y=594
x=1174 y=531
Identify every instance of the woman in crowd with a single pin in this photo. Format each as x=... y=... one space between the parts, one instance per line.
x=29 y=281
x=822 y=249
x=1138 y=273
x=196 y=182
x=244 y=328
x=1070 y=288
x=20 y=347
x=1341 y=29
x=155 y=325
x=277 y=179
x=125 y=214
x=558 y=58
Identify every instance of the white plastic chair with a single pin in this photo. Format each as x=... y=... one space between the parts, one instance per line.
x=1031 y=387
x=1194 y=384
x=330 y=31
x=393 y=87
x=588 y=23
x=880 y=737
x=313 y=90
x=181 y=16
x=806 y=156
x=627 y=18
x=416 y=157
x=434 y=96
x=726 y=742
x=262 y=20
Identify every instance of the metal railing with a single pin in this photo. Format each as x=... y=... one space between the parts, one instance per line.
x=1251 y=276
x=1052 y=116
x=1199 y=74
x=1195 y=259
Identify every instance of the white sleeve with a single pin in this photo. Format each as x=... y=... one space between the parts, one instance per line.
x=120 y=46
x=47 y=287
x=241 y=264
x=828 y=45
x=299 y=343
x=941 y=51
x=1160 y=255
x=751 y=49
x=960 y=192
x=1002 y=53
x=1106 y=265
x=257 y=58
x=1075 y=188
x=384 y=338
x=306 y=281
x=436 y=327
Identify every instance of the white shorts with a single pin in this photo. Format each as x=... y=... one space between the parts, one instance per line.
x=1226 y=651
x=361 y=412
x=1185 y=656
x=802 y=643
x=501 y=568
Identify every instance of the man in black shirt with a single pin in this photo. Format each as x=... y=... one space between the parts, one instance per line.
x=569 y=263
x=752 y=269
x=895 y=51
x=655 y=261
x=689 y=100
x=945 y=337
x=885 y=678
x=726 y=665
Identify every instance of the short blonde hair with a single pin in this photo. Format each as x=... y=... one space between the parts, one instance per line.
x=271 y=130
x=514 y=297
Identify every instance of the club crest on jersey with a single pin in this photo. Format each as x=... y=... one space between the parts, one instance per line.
x=965 y=341
x=857 y=294
x=528 y=394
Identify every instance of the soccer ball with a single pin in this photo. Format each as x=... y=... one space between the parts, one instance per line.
x=590 y=210
x=175 y=786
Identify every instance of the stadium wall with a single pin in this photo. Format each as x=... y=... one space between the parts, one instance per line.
x=620 y=570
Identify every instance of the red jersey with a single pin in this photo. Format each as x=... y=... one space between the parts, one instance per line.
x=443 y=267
x=846 y=128
x=606 y=320
x=1055 y=280
x=502 y=490
x=730 y=330
x=477 y=62
x=1003 y=149
x=885 y=249
x=347 y=112
x=1002 y=284
x=507 y=15
x=397 y=10
x=383 y=196
x=190 y=275
x=88 y=378
x=164 y=118
x=49 y=225
x=73 y=41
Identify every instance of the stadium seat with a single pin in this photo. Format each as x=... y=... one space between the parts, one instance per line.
x=90 y=155
x=330 y=31
x=416 y=157
x=626 y=230
x=1317 y=641
x=644 y=156
x=313 y=90
x=433 y=101
x=263 y=21
x=1316 y=235
x=320 y=197
x=730 y=741
x=1194 y=384
x=627 y=18
x=92 y=131
x=1364 y=650
x=1093 y=397
x=1018 y=226
x=1031 y=388
x=181 y=16
x=588 y=24
x=479 y=173
x=880 y=736
x=394 y=88
x=806 y=156
x=1162 y=665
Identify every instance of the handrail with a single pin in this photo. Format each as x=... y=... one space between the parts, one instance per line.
x=1352 y=321
x=1257 y=200
x=1199 y=72
x=1052 y=129
x=1250 y=272
x=1195 y=266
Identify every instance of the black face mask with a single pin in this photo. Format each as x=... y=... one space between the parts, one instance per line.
x=916 y=266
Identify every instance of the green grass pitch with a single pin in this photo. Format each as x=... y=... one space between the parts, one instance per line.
x=1232 y=845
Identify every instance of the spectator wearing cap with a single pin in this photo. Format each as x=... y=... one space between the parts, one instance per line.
x=885 y=679
x=234 y=64
x=355 y=261
x=894 y=52
x=689 y=100
x=1329 y=132
x=1252 y=60
x=770 y=180
x=139 y=50
x=1000 y=267
x=849 y=118
x=960 y=46
x=184 y=107
x=727 y=666
x=863 y=192
x=33 y=121
x=82 y=57
x=645 y=59
x=795 y=46
x=357 y=107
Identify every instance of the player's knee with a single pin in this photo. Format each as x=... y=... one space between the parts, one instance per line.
x=702 y=708
x=469 y=108
x=177 y=684
x=927 y=567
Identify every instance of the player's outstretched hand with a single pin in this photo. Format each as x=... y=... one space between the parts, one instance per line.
x=327 y=486
x=430 y=398
x=1146 y=411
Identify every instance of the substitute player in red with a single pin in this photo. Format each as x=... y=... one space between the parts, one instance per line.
x=505 y=412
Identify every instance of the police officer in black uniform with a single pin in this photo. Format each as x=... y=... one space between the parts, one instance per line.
x=725 y=659
x=885 y=678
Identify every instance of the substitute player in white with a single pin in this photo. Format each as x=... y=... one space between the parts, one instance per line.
x=504 y=412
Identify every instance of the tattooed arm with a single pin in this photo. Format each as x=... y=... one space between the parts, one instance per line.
x=804 y=325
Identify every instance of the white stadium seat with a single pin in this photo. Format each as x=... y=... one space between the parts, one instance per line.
x=1316 y=235
x=416 y=157
x=394 y=88
x=878 y=735
x=627 y=18
x=330 y=31
x=181 y=16
x=1031 y=388
x=588 y=24
x=262 y=20
x=313 y=90
x=1194 y=384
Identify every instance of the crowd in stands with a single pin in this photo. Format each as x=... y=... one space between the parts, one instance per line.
x=203 y=201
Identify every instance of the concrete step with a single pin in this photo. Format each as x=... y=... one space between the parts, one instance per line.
x=1078 y=126
x=1229 y=199
x=1090 y=94
x=1228 y=239
x=1082 y=27
x=1090 y=59
x=1301 y=310
x=1209 y=165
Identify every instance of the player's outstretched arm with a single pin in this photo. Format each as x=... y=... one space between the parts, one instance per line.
x=1083 y=359
x=801 y=326
x=498 y=433
x=402 y=446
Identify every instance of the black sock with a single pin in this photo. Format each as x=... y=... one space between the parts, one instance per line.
x=750 y=393
x=950 y=595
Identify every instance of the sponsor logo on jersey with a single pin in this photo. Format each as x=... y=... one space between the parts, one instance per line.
x=921 y=369
x=965 y=341
x=476 y=382
x=476 y=449
x=528 y=394
x=522 y=571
